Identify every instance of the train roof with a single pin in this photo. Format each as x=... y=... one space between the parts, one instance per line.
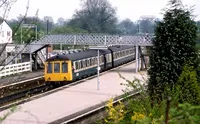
x=78 y=55
x=87 y=53
x=119 y=48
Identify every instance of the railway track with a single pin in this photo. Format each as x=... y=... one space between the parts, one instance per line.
x=27 y=90
x=14 y=92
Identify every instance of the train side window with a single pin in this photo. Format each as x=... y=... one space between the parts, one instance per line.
x=81 y=64
x=91 y=62
x=107 y=58
x=85 y=62
x=95 y=60
x=64 y=67
x=110 y=57
x=56 y=67
x=99 y=60
x=88 y=62
x=49 y=68
x=76 y=66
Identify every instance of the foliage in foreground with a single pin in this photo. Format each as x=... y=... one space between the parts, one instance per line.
x=140 y=111
x=173 y=47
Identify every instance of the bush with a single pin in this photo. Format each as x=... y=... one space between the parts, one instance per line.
x=188 y=86
x=138 y=110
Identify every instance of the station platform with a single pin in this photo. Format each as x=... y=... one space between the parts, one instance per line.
x=21 y=77
x=73 y=99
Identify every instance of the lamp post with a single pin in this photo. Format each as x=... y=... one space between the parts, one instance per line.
x=98 y=63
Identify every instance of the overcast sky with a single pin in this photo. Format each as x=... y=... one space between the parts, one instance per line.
x=132 y=9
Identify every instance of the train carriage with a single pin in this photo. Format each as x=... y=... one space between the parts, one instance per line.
x=78 y=65
x=122 y=54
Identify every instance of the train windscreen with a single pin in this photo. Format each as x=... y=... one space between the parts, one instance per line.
x=49 y=68
x=64 y=67
x=56 y=67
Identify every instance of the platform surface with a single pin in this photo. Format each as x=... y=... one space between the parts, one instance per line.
x=72 y=99
x=21 y=77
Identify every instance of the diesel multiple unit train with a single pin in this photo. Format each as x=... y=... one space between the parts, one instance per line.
x=81 y=64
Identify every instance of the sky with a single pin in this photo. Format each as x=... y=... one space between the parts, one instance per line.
x=132 y=9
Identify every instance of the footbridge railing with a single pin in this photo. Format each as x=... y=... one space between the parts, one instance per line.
x=90 y=39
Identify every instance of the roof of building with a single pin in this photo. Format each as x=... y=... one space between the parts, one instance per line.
x=1 y=20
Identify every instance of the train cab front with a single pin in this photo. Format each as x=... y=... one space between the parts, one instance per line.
x=58 y=71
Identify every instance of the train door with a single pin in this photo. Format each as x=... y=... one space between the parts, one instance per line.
x=56 y=71
x=66 y=71
x=48 y=71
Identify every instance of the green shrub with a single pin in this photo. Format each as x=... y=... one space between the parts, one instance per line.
x=138 y=110
x=188 y=86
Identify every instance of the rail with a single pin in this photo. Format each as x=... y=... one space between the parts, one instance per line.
x=15 y=69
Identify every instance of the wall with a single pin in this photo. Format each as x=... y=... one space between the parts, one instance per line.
x=5 y=33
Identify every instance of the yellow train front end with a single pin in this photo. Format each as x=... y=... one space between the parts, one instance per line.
x=58 y=71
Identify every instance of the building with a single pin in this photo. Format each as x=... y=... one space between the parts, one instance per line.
x=5 y=32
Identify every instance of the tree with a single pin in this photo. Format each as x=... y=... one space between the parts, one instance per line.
x=48 y=21
x=127 y=27
x=147 y=24
x=173 y=46
x=67 y=30
x=26 y=34
x=61 y=21
x=96 y=16
x=198 y=25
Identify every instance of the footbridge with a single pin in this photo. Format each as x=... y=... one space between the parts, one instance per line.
x=99 y=40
